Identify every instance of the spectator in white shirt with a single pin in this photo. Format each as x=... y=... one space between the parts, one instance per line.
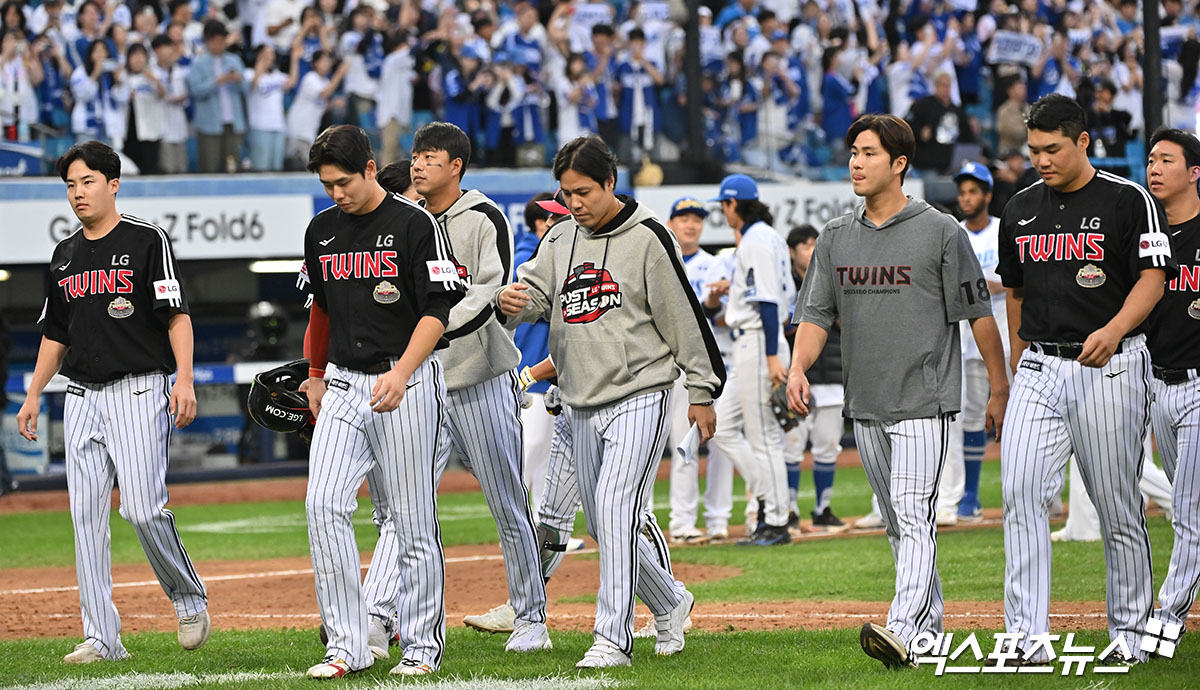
x=283 y=23
x=394 y=110
x=145 y=111
x=20 y=72
x=172 y=148
x=267 y=84
x=98 y=86
x=312 y=99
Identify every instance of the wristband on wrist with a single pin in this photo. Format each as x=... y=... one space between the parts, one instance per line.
x=314 y=373
x=703 y=404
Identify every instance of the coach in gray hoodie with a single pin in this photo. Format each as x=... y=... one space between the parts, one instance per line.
x=623 y=322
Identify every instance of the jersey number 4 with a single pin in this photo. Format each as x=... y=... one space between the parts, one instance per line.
x=980 y=288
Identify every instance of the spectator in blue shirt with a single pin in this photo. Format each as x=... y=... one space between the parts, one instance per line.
x=56 y=71
x=215 y=84
x=522 y=44
x=740 y=100
x=837 y=94
x=637 y=81
x=602 y=62
x=463 y=86
x=735 y=10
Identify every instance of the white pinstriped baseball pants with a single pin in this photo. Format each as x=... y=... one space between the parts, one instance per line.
x=1175 y=414
x=903 y=461
x=617 y=451
x=350 y=441
x=122 y=430
x=1058 y=406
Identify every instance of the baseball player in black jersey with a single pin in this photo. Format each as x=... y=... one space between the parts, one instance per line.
x=1173 y=336
x=383 y=282
x=1084 y=260
x=116 y=323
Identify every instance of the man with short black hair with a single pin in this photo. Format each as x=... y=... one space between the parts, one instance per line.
x=116 y=322
x=1084 y=259
x=483 y=404
x=383 y=283
x=1173 y=331
x=215 y=83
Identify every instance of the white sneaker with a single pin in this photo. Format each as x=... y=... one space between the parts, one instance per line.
x=718 y=534
x=330 y=667
x=690 y=535
x=84 y=654
x=378 y=637
x=194 y=630
x=529 y=637
x=671 y=626
x=1062 y=535
x=871 y=520
x=603 y=654
x=502 y=619
x=947 y=518
x=412 y=667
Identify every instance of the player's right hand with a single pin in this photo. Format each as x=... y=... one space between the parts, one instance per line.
x=513 y=299
x=27 y=419
x=799 y=393
x=315 y=389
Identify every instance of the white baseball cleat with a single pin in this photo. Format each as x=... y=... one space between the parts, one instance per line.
x=690 y=535
x=604 y=654
x=194 y=630
x=947 y=518
x=412 y=667
x=502 y=619
x=646 y=631
x=529 y=637
x=330 y=667
x=84 y=654
x=672 y=626
x=871 y=520
x=378 y=637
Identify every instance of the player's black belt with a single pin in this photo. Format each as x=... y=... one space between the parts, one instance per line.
x=381 y=367
x=1066 y=350
x=1173 y=376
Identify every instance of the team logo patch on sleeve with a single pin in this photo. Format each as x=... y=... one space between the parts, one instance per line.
x=386 y=293
x=1153 y=244
x=120 y=308
x=166 y=289
x=1090 y=276
x=443 y=271
x=588 y=293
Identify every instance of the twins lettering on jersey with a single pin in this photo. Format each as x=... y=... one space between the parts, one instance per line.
x=1062 y=246
x=588 y=293
x=101 y=282
x=349 y=265
x=874 y=275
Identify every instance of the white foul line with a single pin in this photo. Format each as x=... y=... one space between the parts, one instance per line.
x=248 y=576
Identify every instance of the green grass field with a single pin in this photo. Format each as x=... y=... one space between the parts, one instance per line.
x=971 y=564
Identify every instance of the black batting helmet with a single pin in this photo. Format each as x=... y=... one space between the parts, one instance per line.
x=276 y=403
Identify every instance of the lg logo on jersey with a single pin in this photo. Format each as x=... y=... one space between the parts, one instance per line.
x=122 y=260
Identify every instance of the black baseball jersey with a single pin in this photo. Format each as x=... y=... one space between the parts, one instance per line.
x=110 y=301
x=1173 y=333
x=376 y=275
x=1077 y=255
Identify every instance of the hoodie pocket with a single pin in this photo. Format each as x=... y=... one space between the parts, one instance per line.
x=603 y=360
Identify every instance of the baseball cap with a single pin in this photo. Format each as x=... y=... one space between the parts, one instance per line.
x=555 y=205
x=688 y=205
x=975 y=171
x=737 y=187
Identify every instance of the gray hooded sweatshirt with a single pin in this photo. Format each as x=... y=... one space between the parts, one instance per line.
x=623 y=318
x=900 y=290
x=482 y=243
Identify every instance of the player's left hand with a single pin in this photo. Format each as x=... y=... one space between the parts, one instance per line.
x=776 y=370
x=183 y=403
x=705 y=419
x=1099 y=348
x=994 y=416
x=389 y=391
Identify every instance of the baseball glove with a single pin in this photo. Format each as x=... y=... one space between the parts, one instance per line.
x=779 y=406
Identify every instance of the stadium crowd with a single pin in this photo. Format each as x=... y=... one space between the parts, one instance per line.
x=254 y=81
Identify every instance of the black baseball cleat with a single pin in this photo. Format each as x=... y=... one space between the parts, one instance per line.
x=1117 y=658
x=883 y=644
x=826 y=521
x=793 y=520
x=769 y=535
